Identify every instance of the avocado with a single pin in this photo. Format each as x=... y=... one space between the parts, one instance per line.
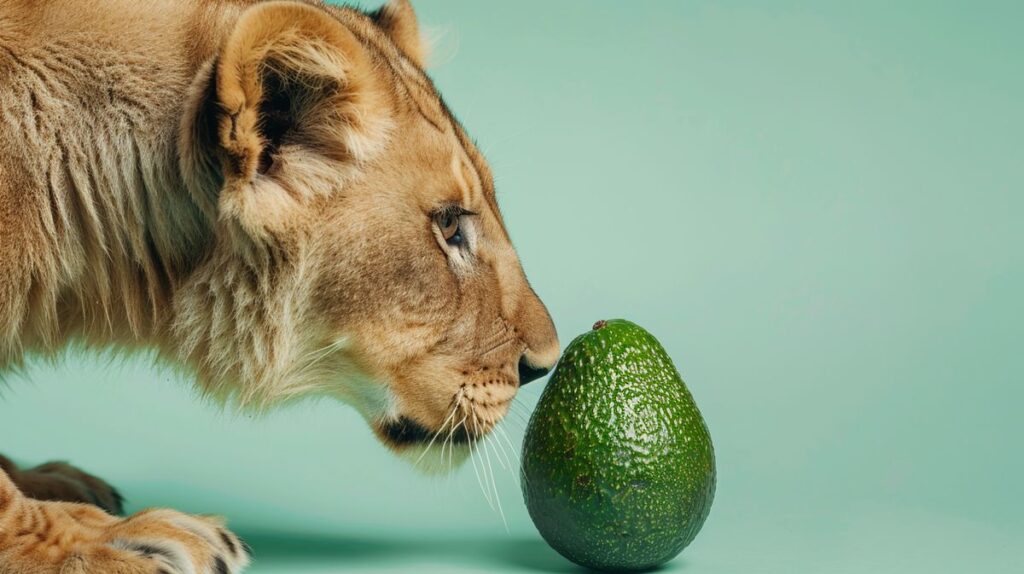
x=618 y=471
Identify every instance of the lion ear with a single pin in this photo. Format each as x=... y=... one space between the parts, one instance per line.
x=292 y=103
x=398 y=20
x=282 y=64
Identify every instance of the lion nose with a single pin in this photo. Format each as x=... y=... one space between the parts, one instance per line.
x=528 y=372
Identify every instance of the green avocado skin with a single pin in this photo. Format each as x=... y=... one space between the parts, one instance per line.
x=618 y=471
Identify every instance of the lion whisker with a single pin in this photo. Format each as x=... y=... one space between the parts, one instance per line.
x=501 y=449
x=449 y=442
x=472 y=459
x=518 y=416
x=490 y=471
x=515 y=454
x=451 y=439
x=508 y=441
x=451 y=416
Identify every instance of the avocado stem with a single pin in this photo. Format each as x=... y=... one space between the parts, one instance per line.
x=600 y=324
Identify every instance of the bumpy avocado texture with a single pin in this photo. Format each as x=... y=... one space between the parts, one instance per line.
x=618 y=471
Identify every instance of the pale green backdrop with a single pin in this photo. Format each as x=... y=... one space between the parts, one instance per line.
x=816 y=206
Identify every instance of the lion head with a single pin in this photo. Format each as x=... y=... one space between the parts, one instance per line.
x=358 y=249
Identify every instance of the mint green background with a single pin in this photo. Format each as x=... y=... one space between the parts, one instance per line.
x=816 y=206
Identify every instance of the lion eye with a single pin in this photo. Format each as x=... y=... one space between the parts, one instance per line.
x=448 y=225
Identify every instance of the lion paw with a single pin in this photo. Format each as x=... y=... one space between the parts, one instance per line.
x=61 y=481
x=181 y=543
x=47 y=537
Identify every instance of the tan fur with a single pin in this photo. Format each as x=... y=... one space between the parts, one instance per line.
x=68 y=538
x=249 y=188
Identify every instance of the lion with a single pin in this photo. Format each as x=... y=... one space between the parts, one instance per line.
x=273 y=198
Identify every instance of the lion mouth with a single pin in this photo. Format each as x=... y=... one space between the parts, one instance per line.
x=406 y=432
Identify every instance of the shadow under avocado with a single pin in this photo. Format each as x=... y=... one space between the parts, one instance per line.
x=526 y=554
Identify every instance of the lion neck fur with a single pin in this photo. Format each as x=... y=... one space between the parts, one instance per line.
x=126 y=256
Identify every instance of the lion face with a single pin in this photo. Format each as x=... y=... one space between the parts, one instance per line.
x=434 y=298
x=360 y=251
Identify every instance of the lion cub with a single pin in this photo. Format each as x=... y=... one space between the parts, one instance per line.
x=273 y=197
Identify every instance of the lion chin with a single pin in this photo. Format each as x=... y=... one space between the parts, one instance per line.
x=433 y=452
